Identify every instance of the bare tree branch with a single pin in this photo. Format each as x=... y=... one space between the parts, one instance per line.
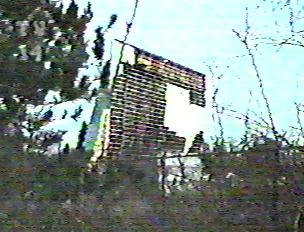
x=129 y=26
x=299 y=119
x=244 y=40
x=246 y=117
x=216 y=105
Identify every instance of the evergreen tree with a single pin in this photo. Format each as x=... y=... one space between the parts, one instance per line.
x=82 y=134
x=41 y=48
x=198 y=144
x=99 y=44
x=113 y=19
x=72 y=10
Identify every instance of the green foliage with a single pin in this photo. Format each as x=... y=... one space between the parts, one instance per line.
x=113 y=19
x=41 y=49
x=34 y=188
x=34 y=38
x=72 y=10
x=105 y=74
x=57 y=193
x=99 y=44
x=82 y=134
x=11 y=9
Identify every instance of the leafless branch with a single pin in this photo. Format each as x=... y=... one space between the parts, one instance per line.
x=129 y=26
x=299 y=119
x=246 y=117
x=244 y=40
x=215 y=104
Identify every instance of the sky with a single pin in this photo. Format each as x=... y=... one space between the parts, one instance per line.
x=198 y=32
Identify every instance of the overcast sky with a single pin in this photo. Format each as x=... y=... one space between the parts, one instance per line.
x=198 y=31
